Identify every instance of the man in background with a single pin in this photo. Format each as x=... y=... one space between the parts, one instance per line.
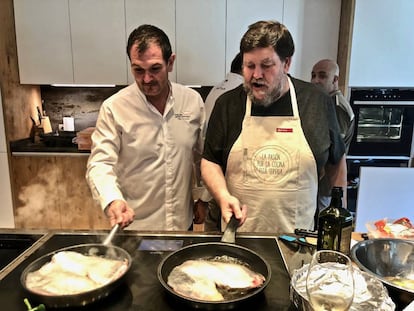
x=325 y=74
x=233 y=79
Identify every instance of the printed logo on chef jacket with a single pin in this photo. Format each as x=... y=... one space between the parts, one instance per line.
x=284 y=130
x=185 y=115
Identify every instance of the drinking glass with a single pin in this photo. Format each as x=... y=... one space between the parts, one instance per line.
x=330 y=282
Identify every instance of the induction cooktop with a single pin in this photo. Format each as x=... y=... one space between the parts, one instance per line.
x=14 y=244
x=141 y=289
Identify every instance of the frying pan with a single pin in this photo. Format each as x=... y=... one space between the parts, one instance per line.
x=226 y=247
x=84 y=298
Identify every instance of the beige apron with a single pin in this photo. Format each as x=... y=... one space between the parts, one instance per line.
x=272 y=170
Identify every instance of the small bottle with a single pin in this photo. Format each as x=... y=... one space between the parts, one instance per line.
x=335 y=225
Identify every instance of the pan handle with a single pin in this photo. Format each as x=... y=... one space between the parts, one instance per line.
x=229 y=235
x=111 y=234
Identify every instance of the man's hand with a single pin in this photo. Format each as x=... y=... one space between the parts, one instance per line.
x=119 y=212
x=231 y=205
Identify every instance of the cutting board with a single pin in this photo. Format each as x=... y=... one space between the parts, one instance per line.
x=384 y=192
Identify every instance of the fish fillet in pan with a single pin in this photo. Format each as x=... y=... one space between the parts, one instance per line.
x=213 y=280
x=70 y=272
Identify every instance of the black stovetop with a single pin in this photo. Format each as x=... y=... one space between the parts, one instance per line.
x=141 y=289
x=12 y=245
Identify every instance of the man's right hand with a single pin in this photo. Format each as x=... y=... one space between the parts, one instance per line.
x=118 y=212
x=231 y=205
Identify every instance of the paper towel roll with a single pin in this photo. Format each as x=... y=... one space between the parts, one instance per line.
x=68 y=124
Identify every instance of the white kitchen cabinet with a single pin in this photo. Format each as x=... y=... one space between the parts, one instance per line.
x=160 y=13
x=71 y=41
x=314 y=25
x=84 y=41
x=201 y=38
x=43 y=41
x=98 y=41
x=241 y=14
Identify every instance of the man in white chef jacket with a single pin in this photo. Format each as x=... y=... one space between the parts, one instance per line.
x=141 y=162
x=271 y=139
x=233 y=79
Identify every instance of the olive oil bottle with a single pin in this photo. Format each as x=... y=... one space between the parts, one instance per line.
x=335 y=225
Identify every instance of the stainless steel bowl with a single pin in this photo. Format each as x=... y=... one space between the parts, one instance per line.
x=384 y=258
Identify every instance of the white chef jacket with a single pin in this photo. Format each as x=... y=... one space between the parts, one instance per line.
x=231 y=81
x=145 y=158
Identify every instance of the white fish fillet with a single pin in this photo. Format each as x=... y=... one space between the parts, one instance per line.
x=70 y=272
x=200 y=279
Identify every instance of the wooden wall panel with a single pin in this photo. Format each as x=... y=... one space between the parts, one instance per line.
x=35 y=204
x=78 y=209
x=345 y=43
x=18 y=100
x=53 y=194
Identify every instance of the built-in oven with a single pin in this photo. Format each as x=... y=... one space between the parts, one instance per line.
x=383 y=135
x=384 y=122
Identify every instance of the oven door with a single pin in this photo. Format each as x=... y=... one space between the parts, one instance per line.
x=383 y=128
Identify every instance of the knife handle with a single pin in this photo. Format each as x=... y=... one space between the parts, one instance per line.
x=39 y=114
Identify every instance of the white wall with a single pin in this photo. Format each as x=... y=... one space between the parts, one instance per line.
x=382 y=44
x=314 y=25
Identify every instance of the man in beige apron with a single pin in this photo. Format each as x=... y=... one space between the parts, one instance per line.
x=269 y=161
x=265 y=172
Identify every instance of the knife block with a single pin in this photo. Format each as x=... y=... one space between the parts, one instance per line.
x=46 y=126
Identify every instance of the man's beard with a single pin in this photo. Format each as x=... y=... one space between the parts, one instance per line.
x=269 y=98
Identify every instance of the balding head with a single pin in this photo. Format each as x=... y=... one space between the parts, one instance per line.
x=325 y=73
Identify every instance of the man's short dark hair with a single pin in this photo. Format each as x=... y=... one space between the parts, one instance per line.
x=236 y=64
x=263 y=34
x=146 y=34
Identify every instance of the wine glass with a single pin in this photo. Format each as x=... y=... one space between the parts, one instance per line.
x=330 y=282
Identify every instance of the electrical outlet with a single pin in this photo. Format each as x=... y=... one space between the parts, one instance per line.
x=61 y=127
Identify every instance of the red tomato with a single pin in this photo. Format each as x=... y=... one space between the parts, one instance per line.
x=404 y=221
x=380 y=224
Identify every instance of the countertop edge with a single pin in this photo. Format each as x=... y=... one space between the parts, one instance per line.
x=49 y=153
